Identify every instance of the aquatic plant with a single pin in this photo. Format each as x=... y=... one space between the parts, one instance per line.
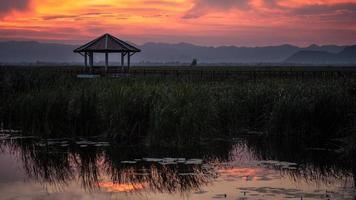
x=174 y=111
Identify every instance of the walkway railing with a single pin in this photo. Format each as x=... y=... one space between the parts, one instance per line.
x=217 y=74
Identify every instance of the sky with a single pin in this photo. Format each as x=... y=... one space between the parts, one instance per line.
x=201 y=22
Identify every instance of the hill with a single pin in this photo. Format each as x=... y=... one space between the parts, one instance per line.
x=346 y=56
x=32 y=52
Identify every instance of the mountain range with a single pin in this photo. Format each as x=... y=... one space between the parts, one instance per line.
x=32 y=52
x=346 y=56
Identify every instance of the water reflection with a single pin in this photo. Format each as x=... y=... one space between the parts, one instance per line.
x=248 y=168
x=111 y=168
x=316 y=164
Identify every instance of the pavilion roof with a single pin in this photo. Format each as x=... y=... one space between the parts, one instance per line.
x=107 y=43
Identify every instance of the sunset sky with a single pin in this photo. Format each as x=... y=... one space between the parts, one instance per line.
x=203 y=22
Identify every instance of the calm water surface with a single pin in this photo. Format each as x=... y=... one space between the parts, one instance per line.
x=249 y=168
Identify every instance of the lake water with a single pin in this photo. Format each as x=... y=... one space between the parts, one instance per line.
x=241 y=168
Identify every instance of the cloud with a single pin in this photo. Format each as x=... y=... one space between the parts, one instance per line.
x=335 y=14
x=78 y=16
x=202 y=7
x=212 y=22
x=7 y=6
x=55 y=17
x=272 y=4
x=318 y=9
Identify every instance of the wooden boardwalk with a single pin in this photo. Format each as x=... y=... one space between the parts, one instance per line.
x=204 y=73
x=219 y=74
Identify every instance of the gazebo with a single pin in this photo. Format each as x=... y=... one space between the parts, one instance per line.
x=106 y=44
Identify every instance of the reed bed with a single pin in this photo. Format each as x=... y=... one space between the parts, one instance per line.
x=174 y=111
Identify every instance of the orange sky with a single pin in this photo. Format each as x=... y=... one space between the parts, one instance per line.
x=205 y=22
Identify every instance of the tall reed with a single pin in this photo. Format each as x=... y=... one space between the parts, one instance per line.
x=174 y=111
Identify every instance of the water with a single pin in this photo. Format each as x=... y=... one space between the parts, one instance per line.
x=246 y=168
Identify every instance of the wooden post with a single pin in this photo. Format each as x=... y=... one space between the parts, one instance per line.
x=106 y=61
x=128 y=62
x=86 y=59
x=118 y=70
x=91 y=59
x=122 y=62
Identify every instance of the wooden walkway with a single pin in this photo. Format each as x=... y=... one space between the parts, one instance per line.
x=205 y=73
x=217 y=74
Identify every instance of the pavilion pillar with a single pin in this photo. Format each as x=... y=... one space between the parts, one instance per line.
x=91 y=59
x=128 y=61
x=122 y=61
x=85 y=59
x=106 y=61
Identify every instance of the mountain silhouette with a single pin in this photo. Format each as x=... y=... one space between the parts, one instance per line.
x=29 y=52
x=32 y=52
x=183 y=52
x=346 y=56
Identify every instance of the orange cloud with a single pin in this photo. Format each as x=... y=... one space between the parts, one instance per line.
x=208 y=22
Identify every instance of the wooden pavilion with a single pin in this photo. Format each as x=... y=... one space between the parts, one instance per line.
x=107 y=44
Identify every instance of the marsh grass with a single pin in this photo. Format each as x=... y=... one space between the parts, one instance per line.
x=174 y=111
